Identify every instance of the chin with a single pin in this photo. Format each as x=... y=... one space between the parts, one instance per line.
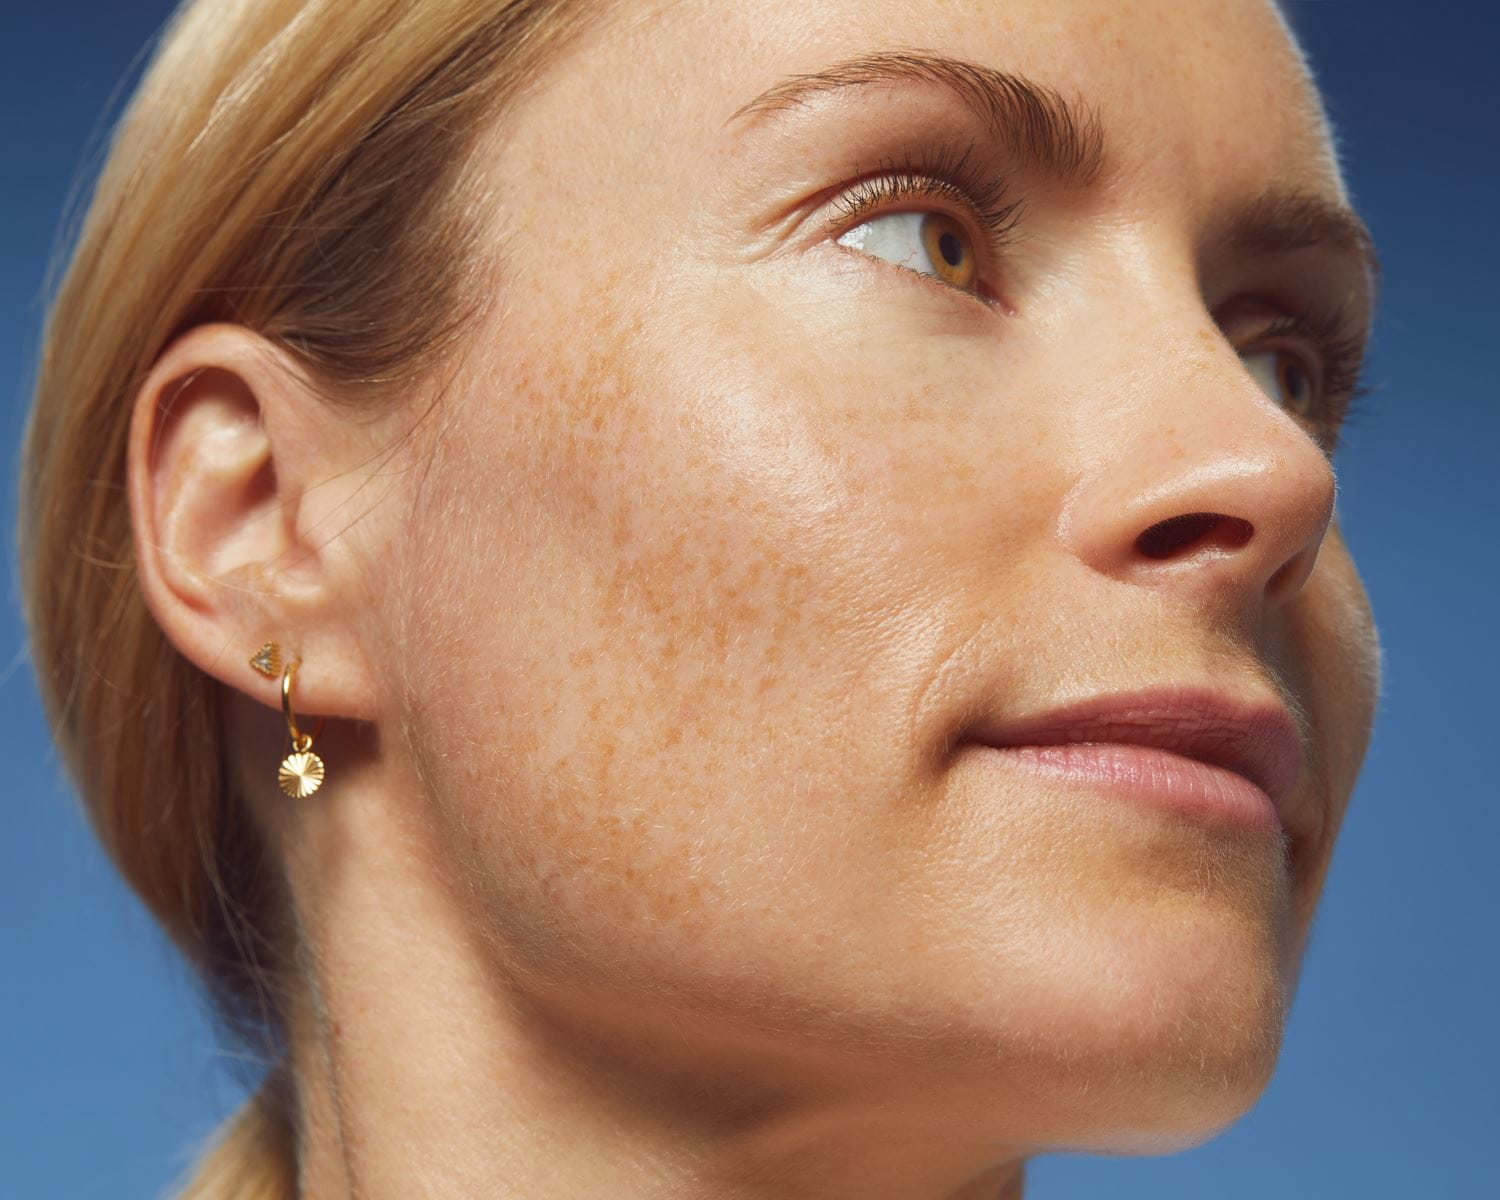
x=1176 y=1044
x=1147 y=1038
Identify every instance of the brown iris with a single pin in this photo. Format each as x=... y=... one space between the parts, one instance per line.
x=948 y=248
x=1296 y=384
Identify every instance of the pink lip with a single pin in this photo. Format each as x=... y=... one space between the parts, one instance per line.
x=1182 y=746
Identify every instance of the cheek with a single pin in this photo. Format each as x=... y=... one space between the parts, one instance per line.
x=668 y=626
x=1332 y=657
x=1342 y=646
x=642 y=631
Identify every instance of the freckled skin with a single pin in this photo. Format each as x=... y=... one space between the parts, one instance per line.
x=718 y=543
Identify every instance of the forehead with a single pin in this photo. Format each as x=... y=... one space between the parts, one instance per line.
x=1208 y=90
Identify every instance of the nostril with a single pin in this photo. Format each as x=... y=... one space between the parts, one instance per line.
x=1194 y=531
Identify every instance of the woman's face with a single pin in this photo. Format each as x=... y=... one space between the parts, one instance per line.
x=737 y=534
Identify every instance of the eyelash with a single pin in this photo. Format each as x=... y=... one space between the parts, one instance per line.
x=1340 y=358
x=935 y=172
x=949 y=173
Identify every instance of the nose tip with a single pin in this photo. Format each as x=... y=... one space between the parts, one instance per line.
x=1224 y=518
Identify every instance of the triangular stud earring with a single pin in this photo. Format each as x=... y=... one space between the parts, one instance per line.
x=267 y=660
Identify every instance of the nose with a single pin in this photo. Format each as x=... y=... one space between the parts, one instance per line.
x=1199 y=482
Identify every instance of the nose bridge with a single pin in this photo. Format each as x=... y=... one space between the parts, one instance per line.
x=1195 y=479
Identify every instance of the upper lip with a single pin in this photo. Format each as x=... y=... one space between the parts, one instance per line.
x=1257 y=739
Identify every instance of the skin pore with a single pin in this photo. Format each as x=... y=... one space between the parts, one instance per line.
x=655 y=858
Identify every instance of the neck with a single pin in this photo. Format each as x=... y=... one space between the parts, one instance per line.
x=427 y=1064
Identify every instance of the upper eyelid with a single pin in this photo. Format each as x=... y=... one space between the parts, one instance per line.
x=849 y=217
x=1327 y=331
x=908 y=185
x=952 y=171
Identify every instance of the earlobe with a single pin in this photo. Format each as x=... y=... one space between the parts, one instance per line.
x=221 y=445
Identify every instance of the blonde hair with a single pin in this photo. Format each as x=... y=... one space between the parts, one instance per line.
x=296 y=166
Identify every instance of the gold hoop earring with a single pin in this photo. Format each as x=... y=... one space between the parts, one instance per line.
x=301 y=771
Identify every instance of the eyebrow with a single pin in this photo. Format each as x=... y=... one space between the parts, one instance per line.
x=1281 y=221
x=1050 y=134
x=1066 y=141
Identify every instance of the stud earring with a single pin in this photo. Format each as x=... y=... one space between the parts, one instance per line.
x=267 y=660
x=301 y=771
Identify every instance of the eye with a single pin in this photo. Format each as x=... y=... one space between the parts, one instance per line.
x=1284 y=378
x=929 y=243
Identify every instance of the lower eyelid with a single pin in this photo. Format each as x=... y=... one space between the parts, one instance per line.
x=922 y=278
x=840 y=227
x=980 y=305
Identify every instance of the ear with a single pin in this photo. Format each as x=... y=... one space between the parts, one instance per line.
x=246 y=506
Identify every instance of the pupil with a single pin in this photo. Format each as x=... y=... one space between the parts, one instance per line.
x=1296 y=383
x=951 y=249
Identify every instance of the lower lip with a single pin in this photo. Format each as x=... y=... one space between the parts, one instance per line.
x=1155 y=777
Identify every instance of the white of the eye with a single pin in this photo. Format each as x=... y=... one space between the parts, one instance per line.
x=895 y=237
x=1262 y=365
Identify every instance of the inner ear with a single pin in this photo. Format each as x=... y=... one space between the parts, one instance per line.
x=213 y=478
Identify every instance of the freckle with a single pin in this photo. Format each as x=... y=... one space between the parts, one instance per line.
x=529 y=742
x=661 y=905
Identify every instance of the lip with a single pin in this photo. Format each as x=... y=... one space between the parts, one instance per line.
x=1257 y=739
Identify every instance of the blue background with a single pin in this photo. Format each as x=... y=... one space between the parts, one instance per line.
x=1389 y=1084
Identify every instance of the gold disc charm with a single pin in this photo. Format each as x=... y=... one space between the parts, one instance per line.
x=301 y=774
